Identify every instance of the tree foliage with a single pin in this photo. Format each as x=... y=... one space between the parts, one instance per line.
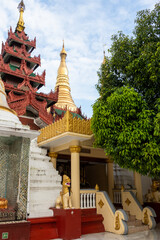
x=126 y=117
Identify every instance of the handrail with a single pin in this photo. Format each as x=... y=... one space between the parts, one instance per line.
x=88 y=191
x=114 y=221
x=132 y=205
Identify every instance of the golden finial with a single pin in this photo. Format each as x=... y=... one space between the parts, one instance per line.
x=122 y=188
x=3 y=101
x=63 y=50
x=20 y=25
x=97 y=187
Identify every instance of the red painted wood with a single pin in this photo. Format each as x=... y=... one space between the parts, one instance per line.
x=43 y=228
x=68 y=223
x=16 y=230
x=88 y=211
x=91 y=222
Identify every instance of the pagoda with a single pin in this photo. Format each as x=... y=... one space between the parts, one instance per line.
x=65 y=101
x=17 y=68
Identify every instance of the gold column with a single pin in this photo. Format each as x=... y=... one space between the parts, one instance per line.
x=75 y=175
x=53 y=157
x=110 y=178
x=138 y=186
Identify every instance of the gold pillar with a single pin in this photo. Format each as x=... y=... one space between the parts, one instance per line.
x=138 y=186
x=75 y=175
x=110 y=178
x=53 y=157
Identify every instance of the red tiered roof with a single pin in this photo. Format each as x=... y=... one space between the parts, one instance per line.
x=21 y=83
x=20 y=53
x=21 y=37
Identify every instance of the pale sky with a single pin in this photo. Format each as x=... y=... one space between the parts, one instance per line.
x=85 y=25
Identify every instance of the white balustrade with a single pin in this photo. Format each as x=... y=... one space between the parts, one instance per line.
x=117 y=196
x=88 y=198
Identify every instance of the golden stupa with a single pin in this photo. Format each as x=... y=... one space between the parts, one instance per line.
x=64 y=94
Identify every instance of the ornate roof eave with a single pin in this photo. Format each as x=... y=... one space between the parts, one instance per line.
x=20 y=104
x=5 y=68
x=6 y=49
x=52 y=96
x=21 y=38
x=67 y=124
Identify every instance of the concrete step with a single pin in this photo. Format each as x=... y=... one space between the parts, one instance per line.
x=134 y=229
x=134 y=223
x=131 y=218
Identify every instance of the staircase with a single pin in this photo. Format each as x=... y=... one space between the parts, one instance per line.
x=91 y=222
x=135 y=225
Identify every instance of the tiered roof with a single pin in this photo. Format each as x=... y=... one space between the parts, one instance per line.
x=17 y=68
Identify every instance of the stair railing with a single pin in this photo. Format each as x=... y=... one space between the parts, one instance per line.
x=114 y=221
x=131 y=204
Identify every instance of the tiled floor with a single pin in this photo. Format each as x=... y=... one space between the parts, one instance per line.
x=146 y=235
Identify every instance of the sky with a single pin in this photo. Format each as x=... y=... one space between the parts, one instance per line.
x=86 y=27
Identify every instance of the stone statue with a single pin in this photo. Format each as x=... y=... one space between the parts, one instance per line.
x=153 y=195
x=64 y=200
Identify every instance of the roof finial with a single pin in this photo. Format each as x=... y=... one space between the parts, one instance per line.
x=63 y=50
x=20 y=25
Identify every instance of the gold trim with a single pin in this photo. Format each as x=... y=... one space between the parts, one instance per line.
x=101 y=203
x=75 y=149
x=2 y=91
x=66 y=124
x=146 y=218
x=8 y=110
x=128 y=202
x=53 y=154
x=117 y=224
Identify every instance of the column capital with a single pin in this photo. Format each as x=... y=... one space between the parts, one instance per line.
x=75 y=149
x=53 y=154
x=109 y=161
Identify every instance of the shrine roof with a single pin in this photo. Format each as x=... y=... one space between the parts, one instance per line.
x=59 y=112
x=21 y=38
x=13 y=68
x=26 y=40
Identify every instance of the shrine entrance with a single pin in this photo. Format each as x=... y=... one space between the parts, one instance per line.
x=91 y=173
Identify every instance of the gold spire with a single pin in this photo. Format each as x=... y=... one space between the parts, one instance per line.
x=63 y=51
x=63 y=68
x=20 y=25
x=3 y=101
x=64 y=95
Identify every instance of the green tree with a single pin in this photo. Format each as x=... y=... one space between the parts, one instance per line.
x=126 y=117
